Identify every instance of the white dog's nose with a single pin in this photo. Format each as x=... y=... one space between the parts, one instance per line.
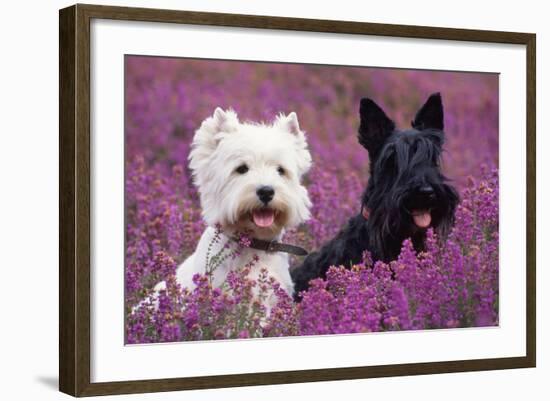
x=265 y=193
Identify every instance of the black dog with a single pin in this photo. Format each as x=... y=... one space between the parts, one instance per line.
x=405 y=195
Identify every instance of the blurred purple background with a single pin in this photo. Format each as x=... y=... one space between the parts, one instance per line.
x=167 y=99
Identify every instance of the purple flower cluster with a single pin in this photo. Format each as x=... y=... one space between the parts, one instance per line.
x=163 y=224
x=204 y=313
x=453 y=284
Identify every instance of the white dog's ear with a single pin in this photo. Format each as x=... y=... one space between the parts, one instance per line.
x=224 y=121
x=290 y=124
x=208 y=136
x=220 y=122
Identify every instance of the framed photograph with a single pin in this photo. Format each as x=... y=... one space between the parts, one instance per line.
x=250 y=200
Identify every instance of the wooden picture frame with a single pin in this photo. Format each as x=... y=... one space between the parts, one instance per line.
x=74 y=199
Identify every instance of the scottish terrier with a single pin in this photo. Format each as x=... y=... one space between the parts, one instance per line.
x=405 y=195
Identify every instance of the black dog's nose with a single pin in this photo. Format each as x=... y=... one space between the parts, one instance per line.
x=427 y=190
x=265 y=193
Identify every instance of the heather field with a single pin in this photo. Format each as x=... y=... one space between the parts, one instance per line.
x=454 y=284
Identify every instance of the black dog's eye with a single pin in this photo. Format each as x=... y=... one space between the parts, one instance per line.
x=242 y=169
x=281 y=170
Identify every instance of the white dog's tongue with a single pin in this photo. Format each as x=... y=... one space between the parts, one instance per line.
x=263 y=217
x=422 y=218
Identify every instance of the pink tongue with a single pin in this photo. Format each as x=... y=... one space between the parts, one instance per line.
x=422 y=218
x=263 y=217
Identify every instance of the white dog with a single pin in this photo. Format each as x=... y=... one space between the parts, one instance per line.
x=248 y=176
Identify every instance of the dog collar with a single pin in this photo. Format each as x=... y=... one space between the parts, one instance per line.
x=274 y=246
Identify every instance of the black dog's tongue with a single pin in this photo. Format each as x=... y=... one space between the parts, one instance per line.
x=422 y=218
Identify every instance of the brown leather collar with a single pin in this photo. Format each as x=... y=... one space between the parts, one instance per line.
x=274 y=246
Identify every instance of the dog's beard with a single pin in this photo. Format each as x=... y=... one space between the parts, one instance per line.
x=403 y=216
x=239 y=210
x=444 y=211
x=257 y=219
x=430 y=212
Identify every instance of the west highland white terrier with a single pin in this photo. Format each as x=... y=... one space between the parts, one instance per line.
x=249 y=181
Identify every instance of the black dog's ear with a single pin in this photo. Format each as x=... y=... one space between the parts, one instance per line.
x=430 y=115
x=375 y=126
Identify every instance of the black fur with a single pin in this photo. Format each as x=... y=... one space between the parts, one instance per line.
x=405 y=177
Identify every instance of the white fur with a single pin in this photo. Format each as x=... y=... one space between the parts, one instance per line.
x=220 y=146
x=276 y=263
x=222 y=143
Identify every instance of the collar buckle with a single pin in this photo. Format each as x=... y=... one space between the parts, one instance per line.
x=272 y=246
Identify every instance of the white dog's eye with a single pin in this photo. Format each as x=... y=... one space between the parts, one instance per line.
x=242 y=169
x=281 y=170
